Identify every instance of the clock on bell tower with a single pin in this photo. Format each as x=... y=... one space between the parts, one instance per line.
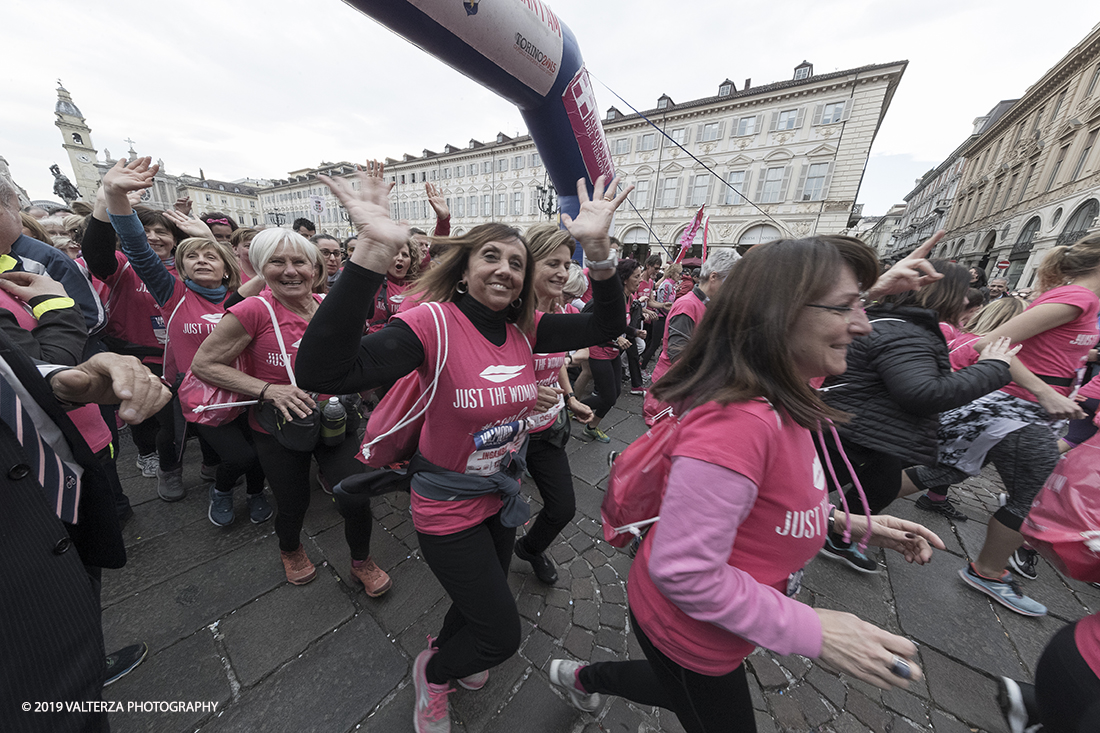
x=77 y=142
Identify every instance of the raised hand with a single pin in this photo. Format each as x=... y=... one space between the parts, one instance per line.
x=192 y=226
x=437 y=202
x=379 y=237
x=911 y=273
x=594 y=217
x=183 y=205
x=124 y=178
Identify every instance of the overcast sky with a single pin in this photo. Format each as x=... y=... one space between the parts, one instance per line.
x=256 y=88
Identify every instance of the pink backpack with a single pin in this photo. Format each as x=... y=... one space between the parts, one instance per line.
x=638 y=480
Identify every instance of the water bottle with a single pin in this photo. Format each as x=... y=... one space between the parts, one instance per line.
x=334 y=422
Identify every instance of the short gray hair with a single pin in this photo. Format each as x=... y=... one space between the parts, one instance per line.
x=720 y=261
x=266 y=242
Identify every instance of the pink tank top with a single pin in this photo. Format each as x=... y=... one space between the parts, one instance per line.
x=548 y=374
x=484 y=390
x=387 y=303
x=694 y=309
x=132 y=313
x=189 y=319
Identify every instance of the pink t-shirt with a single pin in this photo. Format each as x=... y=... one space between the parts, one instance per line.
x=645 y=289
x=409 y=302
x=1060 y=351
x=548 y=374
x=482 y=387
x=950 y=333
x=132 y=312
x=1087 y=636
x=785 y=527
x=387 y=303
x=608 y=352
x=263 y=357
x=962 y=351
x=1091 y=390
x=189 y=319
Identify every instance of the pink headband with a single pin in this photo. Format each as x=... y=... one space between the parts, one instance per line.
x=218 y=221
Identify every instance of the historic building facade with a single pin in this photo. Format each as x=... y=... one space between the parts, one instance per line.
x=783 y=156
x=1032 y=179
x=301 y=195
x=235 y=199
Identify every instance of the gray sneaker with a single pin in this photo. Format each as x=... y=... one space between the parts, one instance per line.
x=149 y=463
x=221 y=507
x=170 y=485
x=563 y=673
x=259 y=510
x=1004 y=591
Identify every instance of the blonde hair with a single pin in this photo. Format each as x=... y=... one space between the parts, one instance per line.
x=674 y=270
x=995 y=314
x=1063 y=264
x=577 y=284
x=232 y=277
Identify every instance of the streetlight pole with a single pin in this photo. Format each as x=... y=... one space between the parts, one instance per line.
x=547 y=200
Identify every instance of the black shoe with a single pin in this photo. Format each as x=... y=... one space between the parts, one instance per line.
x=945 y=507
x=836 y=549
x=1025 y=562
x=611 y=456
x=1017 y=702
x=122 y=662
x=542 y=565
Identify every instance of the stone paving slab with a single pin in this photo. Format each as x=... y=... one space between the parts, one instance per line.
x=223 y=624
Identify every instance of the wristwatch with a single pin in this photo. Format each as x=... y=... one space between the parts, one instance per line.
x=609 y=264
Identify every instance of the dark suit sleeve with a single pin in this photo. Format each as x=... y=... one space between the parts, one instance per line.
x=59 y=337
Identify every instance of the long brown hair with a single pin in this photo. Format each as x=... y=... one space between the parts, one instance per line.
x=440 y=282
x=741 y=350
x=1065 y=263
x=945 y=296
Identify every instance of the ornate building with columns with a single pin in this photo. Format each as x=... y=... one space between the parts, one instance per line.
x=785 y=157
x=1032 y=178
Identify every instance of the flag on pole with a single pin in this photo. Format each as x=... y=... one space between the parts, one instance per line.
x=706 y=228
x=689 y=233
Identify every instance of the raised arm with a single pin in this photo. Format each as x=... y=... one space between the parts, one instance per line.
x=119 y=181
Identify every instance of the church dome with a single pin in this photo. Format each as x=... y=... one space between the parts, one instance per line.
x=65 y=104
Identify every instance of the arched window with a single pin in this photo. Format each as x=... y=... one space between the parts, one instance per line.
x=636 y=235
x=1022 y=248
x=1083 y=219
x=758 y=234
x=77 y=139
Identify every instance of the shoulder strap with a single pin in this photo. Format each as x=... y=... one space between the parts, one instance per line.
x=279 y=338
x=169 y=324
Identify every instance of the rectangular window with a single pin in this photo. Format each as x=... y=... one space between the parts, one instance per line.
x=446 y=173
x=502 y=165
x=711 y=131
x=746 y=126
x=434 y=174
x=404 y=209
x=787 y=119
x=487 y=167
x=487 y=205
x=1038 y=120
x=640 y=195
x=460 y=207
x=517 y=162
x=648 y=141
x=1008 y=193
x=1084 y=155
x=209 y=198
x=1019 y=134
x=502 y=205
x=773 y=186
x=471 y=205
x=423 y=176
x=536 y=160
x=255 y=221
x=679 y=135
x=622 y=146
x=471 y=170
x=669 y=189
x=1057 y=167
x=517 y=203
x=1027 y=181
x=993 y=199
x=252 y=204
x=225 y=201
x=699 y=188
x=814 y=190
x=423 y=209
x=802 y=73
x=832 y=113
x=736 y=179
x=402 y=177
x=1092 y=83
x=1058 y=104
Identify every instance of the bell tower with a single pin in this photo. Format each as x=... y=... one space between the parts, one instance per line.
x=77 y=141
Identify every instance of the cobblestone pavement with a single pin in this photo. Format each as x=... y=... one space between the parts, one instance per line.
x=222 y=623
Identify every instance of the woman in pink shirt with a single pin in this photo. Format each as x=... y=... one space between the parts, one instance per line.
x=1014 y=427
x=403 y=271
x=746 y=503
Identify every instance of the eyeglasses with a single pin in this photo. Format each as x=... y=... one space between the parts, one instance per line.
x=844 y=310
x=335 y=253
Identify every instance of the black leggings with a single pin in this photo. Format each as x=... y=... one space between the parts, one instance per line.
x=234 y=444
x=1024 y=459
x=166 y=436
x=879 y=474
x=702 y=703
x=144 y=435
x=1066 y=688
x=481 y=628
x=656 y=332
x=633 y=363
x=607 y=375
x=288 y=475
x=549 y=466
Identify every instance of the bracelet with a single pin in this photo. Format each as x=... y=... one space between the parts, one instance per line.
x=266 y=385
x=570 y=396
x=832 y=519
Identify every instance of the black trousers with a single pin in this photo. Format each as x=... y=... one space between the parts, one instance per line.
x=879 y=474
x=607 y=375
x=702 y=703
x=656 y=332
x=549 y=466
x=633 y=364
x=481 y=628
x=108 y=458
x=234 y=444
x=1066 y=688
x=288 y=476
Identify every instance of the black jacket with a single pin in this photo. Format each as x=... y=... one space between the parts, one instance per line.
x=898 y=381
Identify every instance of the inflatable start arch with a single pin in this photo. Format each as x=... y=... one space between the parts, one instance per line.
x=523 y=52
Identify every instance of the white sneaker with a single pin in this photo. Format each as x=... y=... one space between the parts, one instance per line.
x=563 y=673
